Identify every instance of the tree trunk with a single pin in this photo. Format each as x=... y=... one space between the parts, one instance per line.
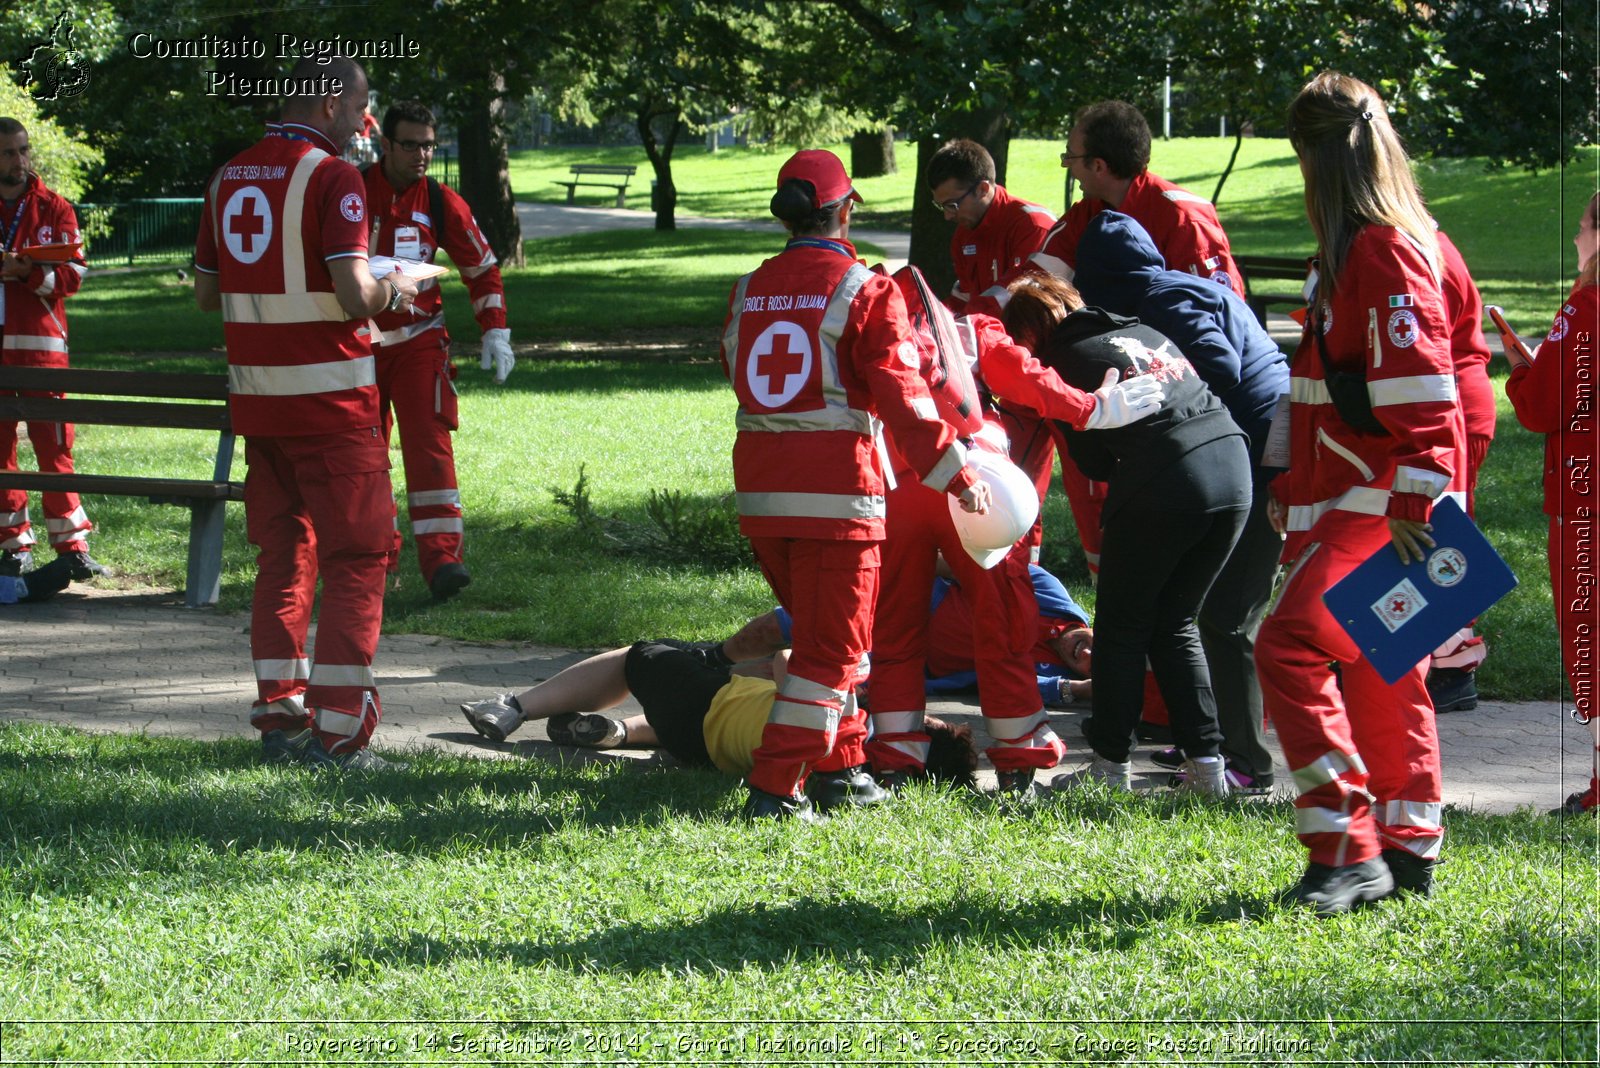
x=1238 y=139
x=930 y=232
x=485 y=178
x=664 y=197
x=872 y=153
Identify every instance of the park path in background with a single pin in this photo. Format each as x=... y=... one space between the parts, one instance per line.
x=138 y=661
x=558 y=220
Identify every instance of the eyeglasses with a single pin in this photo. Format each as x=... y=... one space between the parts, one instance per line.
x=417 y=146
x=1068 y=157
x=950 y=207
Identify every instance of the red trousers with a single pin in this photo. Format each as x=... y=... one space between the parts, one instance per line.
x=828 y=588
x=1006 y=626
x=64 y=517
x=1365 y=760
x=319 y=505
x=416 y=390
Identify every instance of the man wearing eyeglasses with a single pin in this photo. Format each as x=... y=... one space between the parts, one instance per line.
x=995 y=231
x=1108 y=155
x=413 y=216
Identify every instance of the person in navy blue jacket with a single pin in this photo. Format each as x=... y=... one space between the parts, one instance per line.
x=1121 y=270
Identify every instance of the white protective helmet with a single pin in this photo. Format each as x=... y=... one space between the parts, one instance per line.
x=1013 y=506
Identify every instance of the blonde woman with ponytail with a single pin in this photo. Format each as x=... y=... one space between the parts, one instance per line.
x=1376 y=438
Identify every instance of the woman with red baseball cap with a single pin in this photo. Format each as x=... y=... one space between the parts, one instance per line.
x=820 y=354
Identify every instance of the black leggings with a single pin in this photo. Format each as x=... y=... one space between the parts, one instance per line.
x=1161 y=551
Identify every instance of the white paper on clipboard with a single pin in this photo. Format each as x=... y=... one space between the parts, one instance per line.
x=415 y=270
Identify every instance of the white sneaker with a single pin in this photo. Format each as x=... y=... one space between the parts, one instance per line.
x=1114 y=775
x=1207 y=779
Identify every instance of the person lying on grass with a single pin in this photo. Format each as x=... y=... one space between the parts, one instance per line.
x=697 y=706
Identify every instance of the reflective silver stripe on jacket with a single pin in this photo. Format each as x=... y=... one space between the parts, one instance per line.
x=430 y=498
x=34 y=341
x=256 y=380
x=407 y=332
x=811 y=505
x=282 y=308
x=294 y=206
x=1412 y=389
x=1365 y=500
x=953 y=460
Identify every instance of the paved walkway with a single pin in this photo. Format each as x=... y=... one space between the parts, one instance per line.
x=139 y=661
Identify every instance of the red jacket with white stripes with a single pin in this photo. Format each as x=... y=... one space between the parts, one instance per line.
x=820 y=354
x=1469 y=349
x=401 y=227
x=1555 y=397
x=274 y=215
x=35 y=330
x=1011 y=373
x=1009 y=232
x=1184 y=227
x=1386 y=319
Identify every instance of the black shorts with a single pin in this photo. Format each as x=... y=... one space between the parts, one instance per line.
x=675 y=686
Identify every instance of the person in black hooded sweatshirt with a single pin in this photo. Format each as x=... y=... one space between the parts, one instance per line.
x=1178 y=493
x=1121 y=270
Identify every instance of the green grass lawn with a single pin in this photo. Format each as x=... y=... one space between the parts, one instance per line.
x=529 y=904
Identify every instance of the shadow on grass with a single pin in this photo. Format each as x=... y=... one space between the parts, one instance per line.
x=811 y=928
x=92 y=802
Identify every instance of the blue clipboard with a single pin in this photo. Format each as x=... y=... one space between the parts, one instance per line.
x=1399 y=613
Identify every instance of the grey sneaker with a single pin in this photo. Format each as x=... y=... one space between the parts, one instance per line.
x=281 y=747
x=363 y=760
x=493 y=717
x=1110 y=773
x=1209 y=779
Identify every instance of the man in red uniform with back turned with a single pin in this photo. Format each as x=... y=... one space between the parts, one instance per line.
x=34 y=317
x=1108 y=154
x=413 y=217
x=282 y=253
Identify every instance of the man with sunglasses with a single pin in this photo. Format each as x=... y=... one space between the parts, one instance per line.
x=413 y=216
x=1108 y=155
x=995 y=231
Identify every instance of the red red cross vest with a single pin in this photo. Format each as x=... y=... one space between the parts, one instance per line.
x=274 y=215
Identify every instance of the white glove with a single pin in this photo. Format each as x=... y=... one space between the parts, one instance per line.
x=1120 y=403
x=497 y=355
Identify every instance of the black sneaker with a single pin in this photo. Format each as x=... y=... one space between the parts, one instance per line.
x=761 y=805
x=448 y=581
x=1331 y=891
x=281 y=747
x=84 y=566
x=894 y=781
x=1170 y=758
x=589 y=730
x=1412 y=874
x=1584 y=801
x=14 y=562
x=1452 y=690
x=854 y=787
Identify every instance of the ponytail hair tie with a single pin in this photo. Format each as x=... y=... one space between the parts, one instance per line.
x=1366 y=116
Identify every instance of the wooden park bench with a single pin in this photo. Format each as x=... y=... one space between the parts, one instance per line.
x=162 y=405
x=611 y=175
x=1259 y=271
